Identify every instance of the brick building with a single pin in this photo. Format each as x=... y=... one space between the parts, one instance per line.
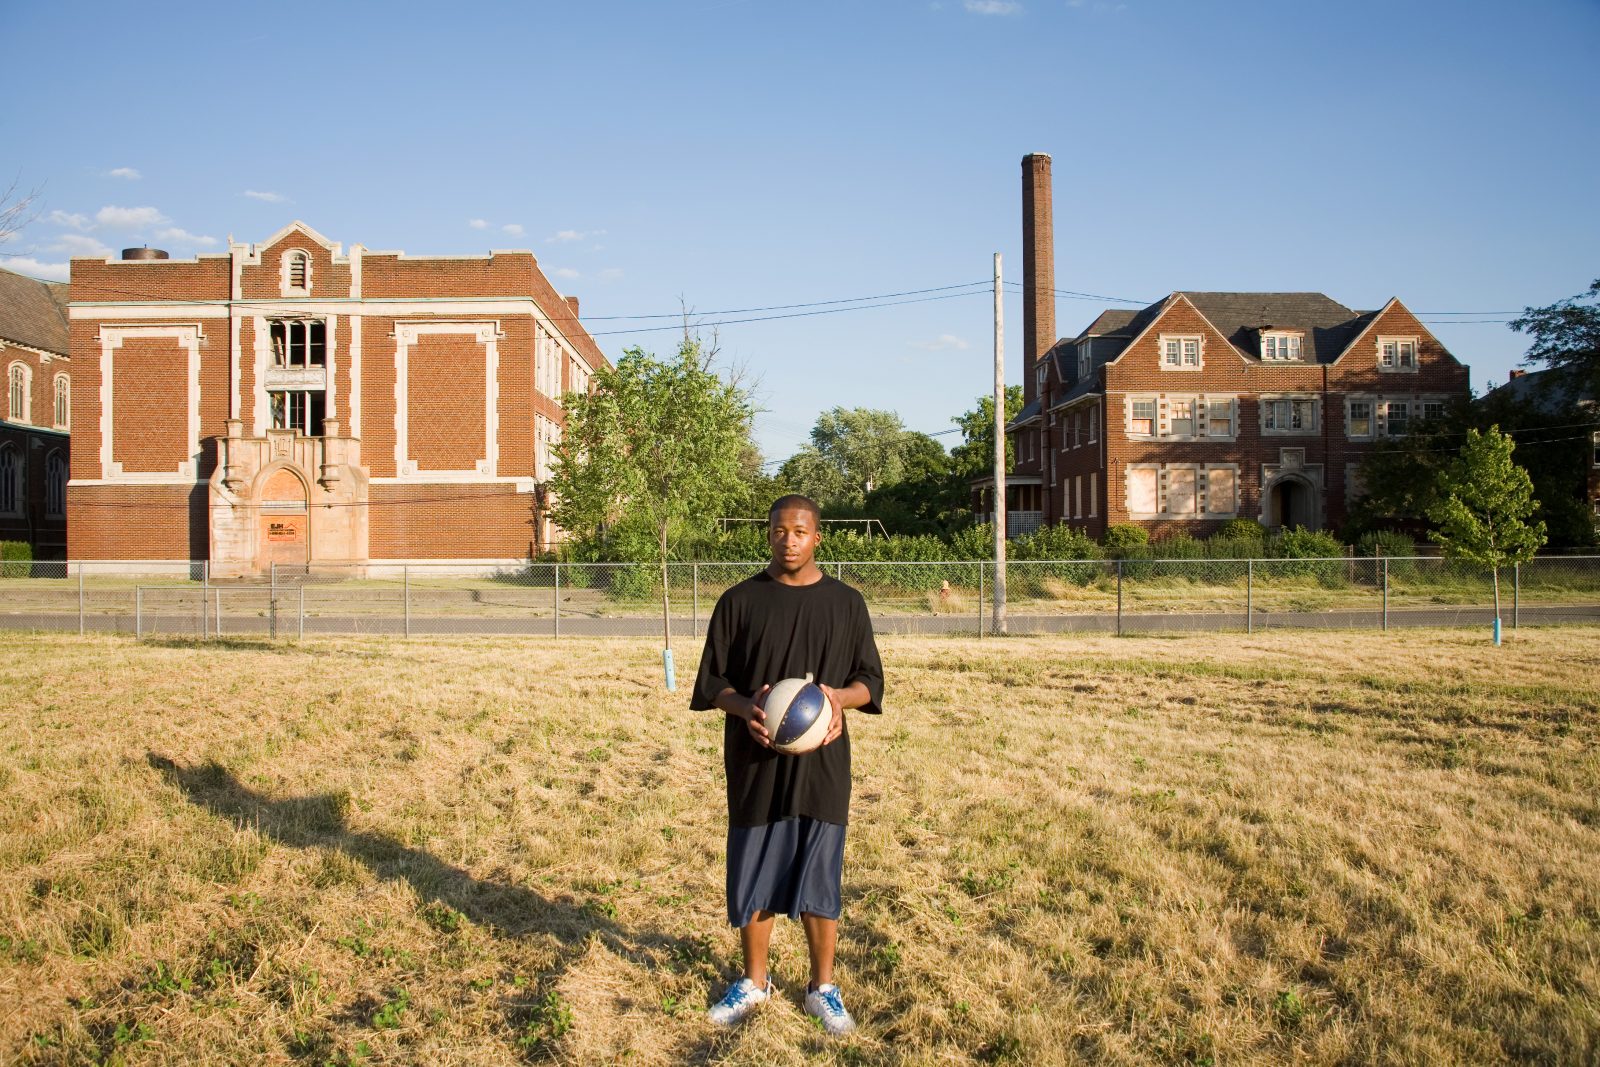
x=288 y=403
x=35 y=419
x=1204 y=407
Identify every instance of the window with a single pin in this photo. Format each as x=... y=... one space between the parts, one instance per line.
x=1077 y=496
x=1180 y=422
x=1596 y=442
x=1399 y=418
x=1219 y=418
x=1289 y=415
x=1085 y=361
x=63 y=413
x=1180 y=353
x=1432 y=409
x=577 y=376
x=301 y=410
x=1181 y=491
x=296 y=272
x=1222 y=491
x=1041 y=375
x=1142 y=490
x=547 y=366
x=299 y=343
x=11 y=480
x=1277 y=346
x=1359 y=421
x=1142 y=421
x=546 y=435
x=1094 y=495
x=1094 y=424
x=55 y=485
x=21 y=379
x=1397 y=353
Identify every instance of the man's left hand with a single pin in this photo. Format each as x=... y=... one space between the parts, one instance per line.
x=836 y=721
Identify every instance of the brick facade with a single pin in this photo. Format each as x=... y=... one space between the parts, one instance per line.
x=287 y=401
x=35 y=414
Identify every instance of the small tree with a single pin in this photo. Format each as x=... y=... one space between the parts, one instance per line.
x=1482 y=508
x=656 y=452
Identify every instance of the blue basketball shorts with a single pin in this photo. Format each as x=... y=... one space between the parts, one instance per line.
x=792 y=867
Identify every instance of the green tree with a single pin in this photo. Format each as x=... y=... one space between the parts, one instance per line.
x=852 y=452
x=974 y=457
x=1566 y=336
x=654 y=454
x=928 y=499
x=1483 y=507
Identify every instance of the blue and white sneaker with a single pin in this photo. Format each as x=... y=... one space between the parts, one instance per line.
x=825 y=1003
x=742 y=998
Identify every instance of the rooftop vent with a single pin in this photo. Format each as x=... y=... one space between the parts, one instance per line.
x=145 y=252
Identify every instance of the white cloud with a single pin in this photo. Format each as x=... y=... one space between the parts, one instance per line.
x=128 y=218
x=568 y=236
x=184 y=237
x=611 y=274
x=73 y=221
x=513 y=228
x=993 y=7
x=270 y=198
x=941 y=343
x=54 y=272
x=124 y=172
x=78 y=244
x=566 y=272
x=478 y=224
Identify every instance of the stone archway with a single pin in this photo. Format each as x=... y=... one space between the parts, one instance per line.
x=1290 y=500
x=285 y=521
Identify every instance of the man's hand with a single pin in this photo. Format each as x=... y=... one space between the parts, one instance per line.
x=755 y=717
x=836 y=721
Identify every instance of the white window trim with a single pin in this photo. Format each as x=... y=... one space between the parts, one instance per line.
x=1162 y=490
x=1200 y=351
x=1375 y=403
x=1205 y=504
x=283 y=272
x=1127 y=490
x=1383 y=414
x=55 y=398
x=1397 y=340
x=1268 y=398
x=1094 y=494
x=1232 y=403
x=26 y=418
x=1297 y=336
x=1155 y=416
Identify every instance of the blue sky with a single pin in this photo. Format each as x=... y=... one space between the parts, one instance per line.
x=733 y=154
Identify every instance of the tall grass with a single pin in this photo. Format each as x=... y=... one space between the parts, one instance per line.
x=1366 y=848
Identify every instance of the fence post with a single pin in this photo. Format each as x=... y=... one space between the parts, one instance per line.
x=405 y=594
x=838 y=571
x=138 y=611
x=694 y=569
x=558 y=599
x=205 y=598
x=1119 y=598
x=1385 y=593
x=1249 y=596
x=272 y=613
x=980 y=599
x=302 y=626
x=1516 y=593
x=80 y=598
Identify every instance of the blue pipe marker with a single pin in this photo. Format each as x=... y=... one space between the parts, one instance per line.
x=1496 y=639
x=672 y=675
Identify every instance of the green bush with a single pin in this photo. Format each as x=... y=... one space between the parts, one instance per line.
x=1386 y=543
x=1218 y=547
x=1310 y=550
x=633 y=582
x=1122 y=536
x=1241 y=530
x=1059 y=542
x=973 y=542
x=16 y=559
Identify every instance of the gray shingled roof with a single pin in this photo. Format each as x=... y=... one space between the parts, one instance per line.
x=1551 y=391
x=32 y=312
x=1329 y=326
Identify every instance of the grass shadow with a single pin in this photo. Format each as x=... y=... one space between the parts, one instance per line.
x=320 y=821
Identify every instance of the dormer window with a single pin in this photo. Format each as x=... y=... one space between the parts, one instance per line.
x=1085 y=360
x=1278 y=346
x=1397 y=353
x=296 y=278
x=1181 y=353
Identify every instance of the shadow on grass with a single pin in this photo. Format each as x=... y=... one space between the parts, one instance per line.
x=229 y=644
x=506 y=911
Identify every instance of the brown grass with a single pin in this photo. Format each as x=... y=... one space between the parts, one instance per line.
x=1322 y=848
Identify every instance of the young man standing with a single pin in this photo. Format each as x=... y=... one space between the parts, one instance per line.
x=787 y=814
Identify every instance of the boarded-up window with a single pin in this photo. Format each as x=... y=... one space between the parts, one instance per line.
x=1142 y=490
x=1222 y=490
x=1180 y=491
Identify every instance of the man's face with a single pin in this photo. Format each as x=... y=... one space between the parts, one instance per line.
x=793 y=536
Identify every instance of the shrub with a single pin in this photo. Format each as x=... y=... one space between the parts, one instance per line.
x=973 y=542
x=1241 y=530
x=1059 y=542
x=1386 y=543
x=634 y=581
x=1122 y=536
x=16 y=559
x=1312 y=548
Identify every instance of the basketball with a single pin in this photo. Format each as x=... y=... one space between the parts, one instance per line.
x=798 y=714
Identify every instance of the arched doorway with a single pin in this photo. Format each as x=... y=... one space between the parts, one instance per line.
x=285 y=537
x=1292 y=501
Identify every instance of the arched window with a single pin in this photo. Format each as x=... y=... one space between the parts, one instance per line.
x=21 y=379
x=11 y=479
x=63 y=402
x=296 y=272
x=55 y=485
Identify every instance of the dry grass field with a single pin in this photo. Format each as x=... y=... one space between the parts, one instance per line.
x=1285 y=848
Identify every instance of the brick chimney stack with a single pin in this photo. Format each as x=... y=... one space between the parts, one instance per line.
x=1038 y=268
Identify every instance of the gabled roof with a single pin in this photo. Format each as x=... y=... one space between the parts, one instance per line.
x=32 y=312
x=1328 y=325
x=1029 y=413
x=1551 y=391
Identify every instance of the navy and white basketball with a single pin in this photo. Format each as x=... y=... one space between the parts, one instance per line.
x=798 y=714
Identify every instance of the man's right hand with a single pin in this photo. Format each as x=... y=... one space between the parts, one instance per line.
x=755 y=717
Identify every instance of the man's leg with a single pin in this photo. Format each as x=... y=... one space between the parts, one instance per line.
x=754 y=937
x=821 y=937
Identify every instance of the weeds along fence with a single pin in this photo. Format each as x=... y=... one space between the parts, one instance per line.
x=182 y=598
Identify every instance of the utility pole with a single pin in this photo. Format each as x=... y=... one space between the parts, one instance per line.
x=999 y=454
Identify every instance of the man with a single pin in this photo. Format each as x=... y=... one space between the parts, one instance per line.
x=787 y=814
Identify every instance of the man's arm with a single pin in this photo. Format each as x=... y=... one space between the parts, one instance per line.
x=851 y=696
x=750 y=710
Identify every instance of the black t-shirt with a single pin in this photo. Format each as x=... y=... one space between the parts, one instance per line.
x=762 y=632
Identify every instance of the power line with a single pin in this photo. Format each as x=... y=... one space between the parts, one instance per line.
x=796 y=314
x=788 y=307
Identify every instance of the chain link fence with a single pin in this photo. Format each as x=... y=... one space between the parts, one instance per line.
x=180 y=598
